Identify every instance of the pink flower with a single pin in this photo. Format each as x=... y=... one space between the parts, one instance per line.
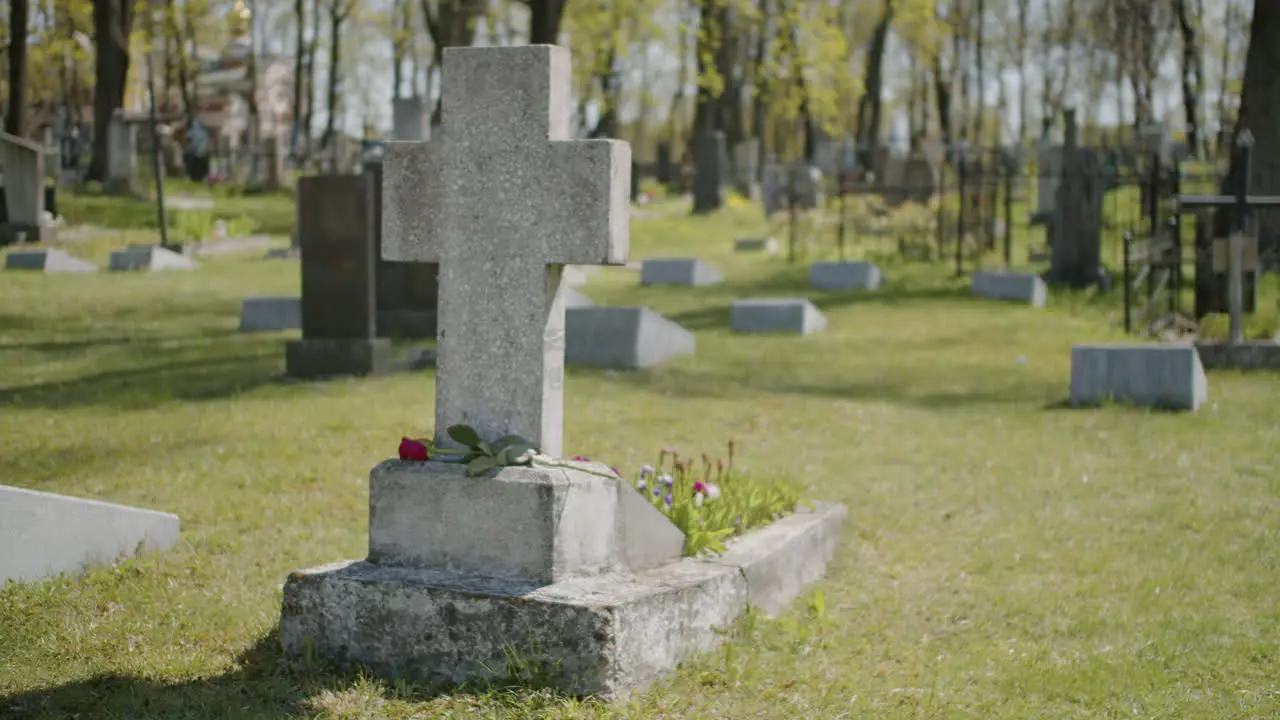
x=411 y=449
x=699 y=487
x=581 y=458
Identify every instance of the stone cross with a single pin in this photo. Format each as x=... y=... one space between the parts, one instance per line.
x=502 y=200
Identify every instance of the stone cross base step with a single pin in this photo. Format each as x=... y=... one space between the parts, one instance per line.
x=43 y=535
x=795 y=316
x=678 y=271
x=608 y=635
x=321 y=358
x=1016 y=287
x=1160 y=376
x=48 y=261
x=837 y=276
x=1255 y=355
x=151 y=258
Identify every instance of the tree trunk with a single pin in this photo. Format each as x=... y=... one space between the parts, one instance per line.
x=1192 y=75
x=181 y=62
x=710 y=35
x=15 y=117
x=452 y=24
x=112 y=23
x=544 y=21
x=338 y=12
x=313 y=44
x=979 y=58
x=1021 y=45
x=942 y=96
x=759 y=110
x=728 y=61
x=299 y=59
x=870 y=107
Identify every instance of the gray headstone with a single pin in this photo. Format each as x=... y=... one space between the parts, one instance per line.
x=43 y=535
x=23 y=163
x=708 y=179
x=149 y=258
x=773 y=189
x=122 y=152
x=1017 y=287
x=623 y=337
x=406 y=292
x=746 y=166
x=47 y=261
x=1049 y=177
x=338 y=300
x=1161 y=376
x=487 y=201
x=779 y=315
x=767 y=245
x=837 y=276
x=270 y=314
x=678 y=271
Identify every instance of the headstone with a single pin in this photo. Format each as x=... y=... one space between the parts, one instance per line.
x=122 y=151
x=270 y=314
x=628 y=338
x=1049 y=177
x=774 y=189
x=408 y=119
x=1075 y=231
x=24 y=190
x=805 y=187
x=338 y=302
x=826 y=153
x=43 y=535
x=406 y=292
x=1161 y=376
x=149 y=258
x=1016 y=287
x=678 y=271
x=839 y=276
x=50 y=262
x=708 y=182
x=273 y=152
x=746 y=167
x=666 y=169
x=795 y=316
x=768 y=245
x=560 y=567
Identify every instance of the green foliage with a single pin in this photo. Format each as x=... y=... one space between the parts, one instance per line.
x=481 y=457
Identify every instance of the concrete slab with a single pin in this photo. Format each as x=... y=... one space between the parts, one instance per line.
x=839 y=276
x=50 y=262
x=1160 y=376
x=270 y=314
x=607 y=635
x=623 y=338
x=678 y=271
x=43 y=534
x=795 y=316
x=1015 y=287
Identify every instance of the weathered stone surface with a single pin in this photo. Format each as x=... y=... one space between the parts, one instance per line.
x=678 y=271
x=573 y=277
x=1017 y=287
x=767 y=245
x=623 y=338
x=776 y=315
x=47 y=261
x=42 y=534
x=502 y=199
x=535 y=525
x=1255 y=355
x=575 y=299
x=24 y=190
x=315 y=358
x=837 y=276
x=406 y=292
x=1162 y=376
x=270 y=314
x=149 y=258
x=607 y=635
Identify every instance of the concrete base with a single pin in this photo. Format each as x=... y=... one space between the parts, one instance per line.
x=43 y=535
x=270 y=314
x=678 y=271
x=623 y=337
x=320 y=358
x=19 y=233
x=50 y=262
x=1161 y=376
x=1254 y=355
x=838 y=276
x=795 y=316
x=607 y=635
x=1015 y=287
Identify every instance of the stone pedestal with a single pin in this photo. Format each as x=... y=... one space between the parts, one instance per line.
x=312 y=358
x=572 y=578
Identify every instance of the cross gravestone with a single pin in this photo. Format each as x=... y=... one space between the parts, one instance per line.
x=708 y=178
x=338 y=305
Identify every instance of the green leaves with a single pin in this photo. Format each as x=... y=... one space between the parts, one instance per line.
x=506 y=451
x=464 y=435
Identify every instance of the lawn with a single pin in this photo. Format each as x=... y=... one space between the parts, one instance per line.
x=1004 y=557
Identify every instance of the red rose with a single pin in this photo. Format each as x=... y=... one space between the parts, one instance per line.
x=411 y=449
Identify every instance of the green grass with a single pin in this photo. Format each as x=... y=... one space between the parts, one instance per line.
x=1004 y=557
x=268 y=213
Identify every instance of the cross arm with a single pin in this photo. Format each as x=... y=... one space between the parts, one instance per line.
x=412 y=201
x=591 y=180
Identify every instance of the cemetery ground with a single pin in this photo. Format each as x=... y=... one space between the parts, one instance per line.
x=1004 y=556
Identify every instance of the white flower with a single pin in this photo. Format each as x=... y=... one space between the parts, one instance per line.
x=713 y=491
x=697 y=499
x=646 y=471
x=641 y=484
x=666 y=480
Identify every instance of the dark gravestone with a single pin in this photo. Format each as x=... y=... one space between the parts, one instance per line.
x=635 y=180
x=1211 y=287
x=406 y=292
x=665 y=172
x=335 y=232
x=1076 y=227
x=708 y=178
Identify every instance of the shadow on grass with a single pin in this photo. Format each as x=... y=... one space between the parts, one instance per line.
x=263 y=685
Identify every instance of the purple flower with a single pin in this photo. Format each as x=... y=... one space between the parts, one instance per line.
x=667 y=500
x=656 y=492
x=646 y=470
x=665 y=480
